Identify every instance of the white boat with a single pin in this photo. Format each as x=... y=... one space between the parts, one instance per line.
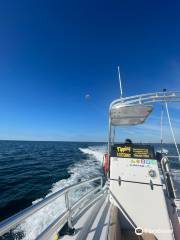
x=136 y=200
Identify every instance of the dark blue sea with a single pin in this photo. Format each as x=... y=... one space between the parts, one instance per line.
x=29 y=171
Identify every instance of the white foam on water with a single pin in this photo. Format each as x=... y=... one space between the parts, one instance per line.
x=84 y=169
x=176 y=175
x=97 y=152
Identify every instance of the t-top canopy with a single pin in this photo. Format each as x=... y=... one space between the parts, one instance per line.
x=129 y=115
x=134 y=110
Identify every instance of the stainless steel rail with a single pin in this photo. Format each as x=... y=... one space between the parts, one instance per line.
x=18 y=218
x=168 y=177
x=54 y=228
x=148 y=98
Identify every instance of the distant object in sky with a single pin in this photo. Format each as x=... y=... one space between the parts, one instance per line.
x=87 y=96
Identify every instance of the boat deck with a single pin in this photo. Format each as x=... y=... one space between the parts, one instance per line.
x=93 y=224
x=100 y=222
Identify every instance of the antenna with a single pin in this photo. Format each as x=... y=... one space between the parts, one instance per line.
x=120 y=84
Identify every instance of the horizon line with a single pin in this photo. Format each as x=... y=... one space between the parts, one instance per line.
x=82 y=141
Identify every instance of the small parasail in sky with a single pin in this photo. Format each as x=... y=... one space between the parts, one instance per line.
x=87 y=96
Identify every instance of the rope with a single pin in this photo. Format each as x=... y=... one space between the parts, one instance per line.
x=113 y=138
x=172 y=131
x=162 y=114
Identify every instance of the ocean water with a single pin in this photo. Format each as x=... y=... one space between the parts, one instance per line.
x=31 y=171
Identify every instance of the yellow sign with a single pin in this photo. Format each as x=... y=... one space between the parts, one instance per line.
x=136 y=151
x=140 y=153
x=124 y=151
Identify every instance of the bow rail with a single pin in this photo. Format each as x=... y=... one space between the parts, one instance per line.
x=97 y=192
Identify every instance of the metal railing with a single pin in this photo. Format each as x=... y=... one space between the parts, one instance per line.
x=147 y=98
x=169 y=176
x=60 y=221
x=98 y=191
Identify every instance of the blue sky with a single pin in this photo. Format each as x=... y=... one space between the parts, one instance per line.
x=53 y=53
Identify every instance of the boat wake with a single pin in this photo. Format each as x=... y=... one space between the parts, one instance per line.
x=97 y=152
x=91 y=166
